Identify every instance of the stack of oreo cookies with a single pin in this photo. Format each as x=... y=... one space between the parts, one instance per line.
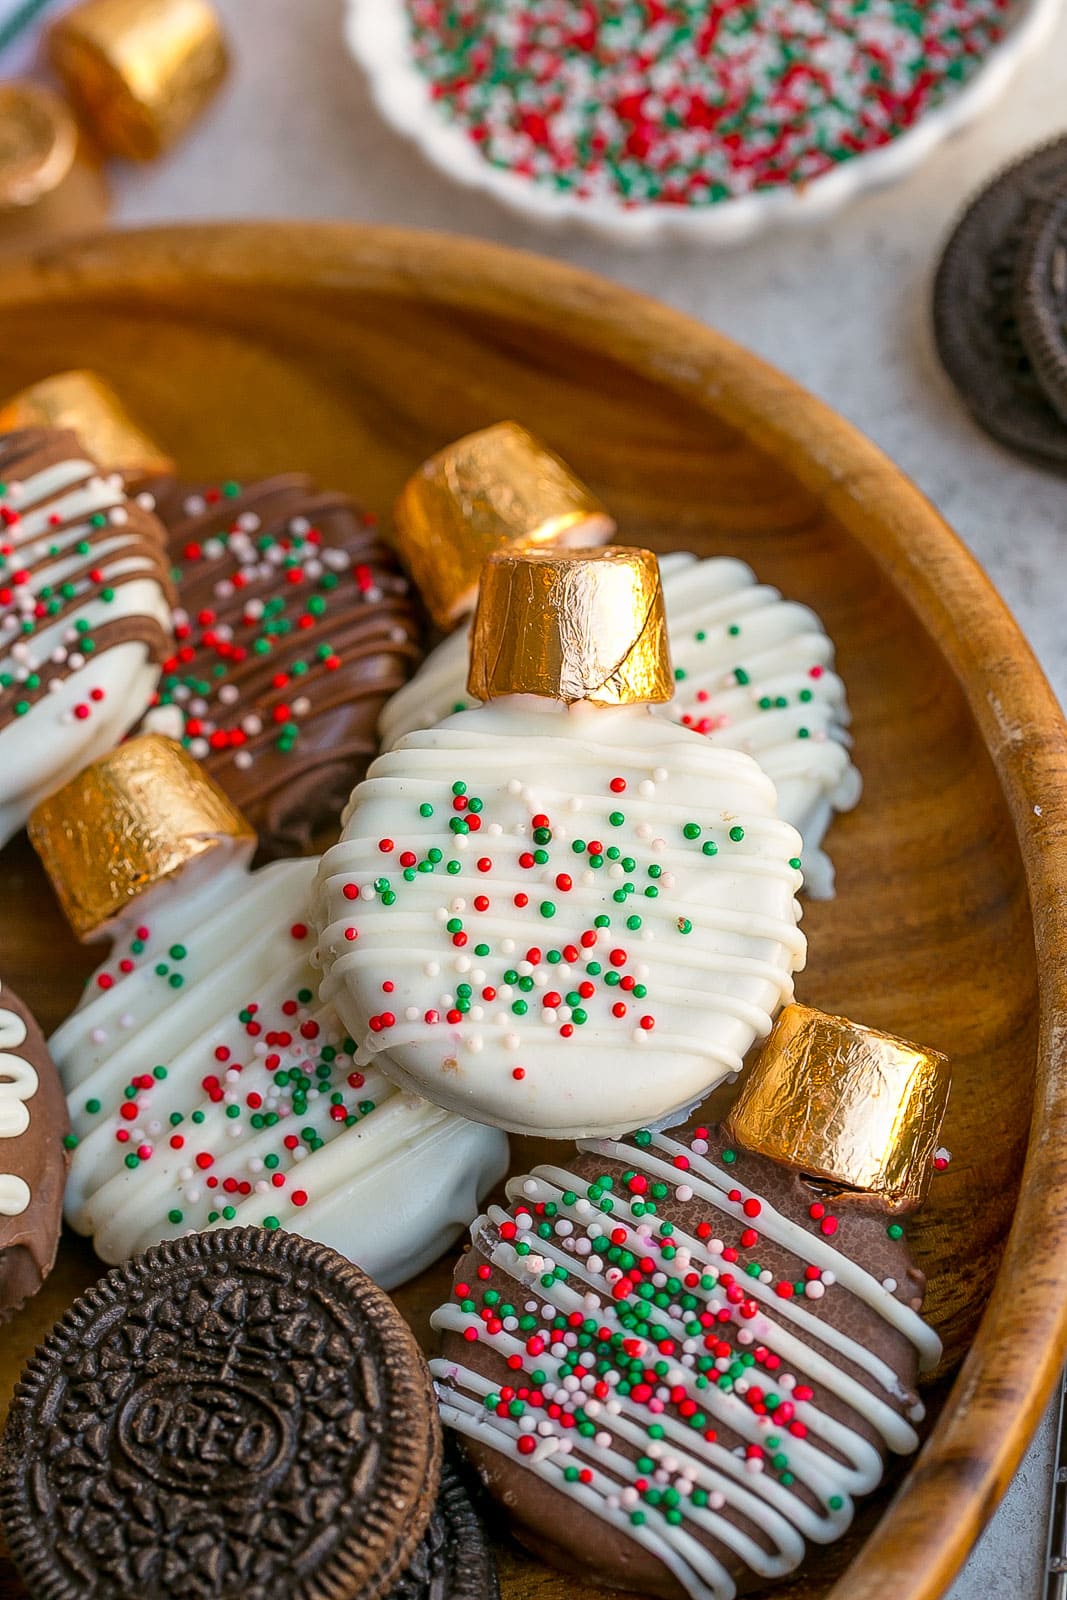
x=236 y=1414
x=1000 y=306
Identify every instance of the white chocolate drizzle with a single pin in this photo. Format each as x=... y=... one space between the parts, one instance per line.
x=18 y=1083
x=562 y=1274
x=228 y=1063
x=683 y=928
x=76 y=545
x=754 y=673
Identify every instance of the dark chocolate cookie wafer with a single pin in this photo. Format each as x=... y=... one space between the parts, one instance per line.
x=237 y=1414
x=975 y=322
x=454 y=1560
x=1041 y=296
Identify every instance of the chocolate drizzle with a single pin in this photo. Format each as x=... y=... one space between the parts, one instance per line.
x=296 y=626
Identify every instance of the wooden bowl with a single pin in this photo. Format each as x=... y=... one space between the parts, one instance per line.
x=354 y=352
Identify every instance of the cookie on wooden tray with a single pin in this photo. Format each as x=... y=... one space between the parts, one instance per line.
x=85 y=617
x=294 y=626
x=455 y=1559
x=34 y=1155
x=676 y=1360
x=238 y=1413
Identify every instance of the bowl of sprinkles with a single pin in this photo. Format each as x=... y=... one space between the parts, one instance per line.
x=702 y=118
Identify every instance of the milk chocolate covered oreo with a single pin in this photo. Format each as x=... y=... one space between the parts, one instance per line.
x=295 y=625
x=33 y=1155
x=235 y=1414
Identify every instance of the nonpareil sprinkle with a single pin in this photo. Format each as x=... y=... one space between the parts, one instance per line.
x=683 y=103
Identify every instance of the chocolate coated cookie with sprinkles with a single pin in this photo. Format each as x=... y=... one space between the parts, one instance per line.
x=85 y=617
x=295 y=625
x=677 y=1360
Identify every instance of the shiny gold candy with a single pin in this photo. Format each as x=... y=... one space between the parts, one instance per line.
x=138 y=71
x=51 y=187
x=572 y=625
x=493 y=490
x=834 y=1100
x=38 y=142
x=88 y=405
x=128 y=822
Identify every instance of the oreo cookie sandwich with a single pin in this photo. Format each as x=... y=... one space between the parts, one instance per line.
x=235 y=1414
x=1041 y=296
x=454 y=1560
x=978 y=325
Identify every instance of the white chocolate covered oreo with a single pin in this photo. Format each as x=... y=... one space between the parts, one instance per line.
x=754 y=672
x=563 y=920
x=208 y=1088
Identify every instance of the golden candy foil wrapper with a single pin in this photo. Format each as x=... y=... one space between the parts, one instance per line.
x=572 y=625
x=51 y=185
x=126 y=823
x=138 y=72
x=858 y=1109
x=38 y=143
x=494 y=490
x=89 y=406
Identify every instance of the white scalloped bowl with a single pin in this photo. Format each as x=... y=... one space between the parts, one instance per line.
x=378 y=37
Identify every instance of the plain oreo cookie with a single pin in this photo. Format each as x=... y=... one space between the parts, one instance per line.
x=234 y=1414
x=976 y=324
x=1041 y=296
x=454 y=1560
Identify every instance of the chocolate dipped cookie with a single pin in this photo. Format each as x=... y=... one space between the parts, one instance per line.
x=677 y=1361
x=34 y=1155
x=84 y=614
x=295 y=625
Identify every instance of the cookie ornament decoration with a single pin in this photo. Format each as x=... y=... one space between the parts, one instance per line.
x=677 y=1359
x=34 y=1153
x=84 y=614
x=556 y=912
x=753 y=670
x=207 y=1086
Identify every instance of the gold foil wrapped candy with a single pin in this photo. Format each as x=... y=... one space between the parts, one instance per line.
x=49 y=188
x=127 y=822
x=572 y=625
x=138 y=71
x=493 y=490
x=38 y=140
x=834 y=1100
x=83 y=402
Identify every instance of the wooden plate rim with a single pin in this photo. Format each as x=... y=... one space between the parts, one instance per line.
x=927 y=1531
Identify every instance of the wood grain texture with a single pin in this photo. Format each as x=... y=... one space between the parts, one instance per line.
x=351 y=354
